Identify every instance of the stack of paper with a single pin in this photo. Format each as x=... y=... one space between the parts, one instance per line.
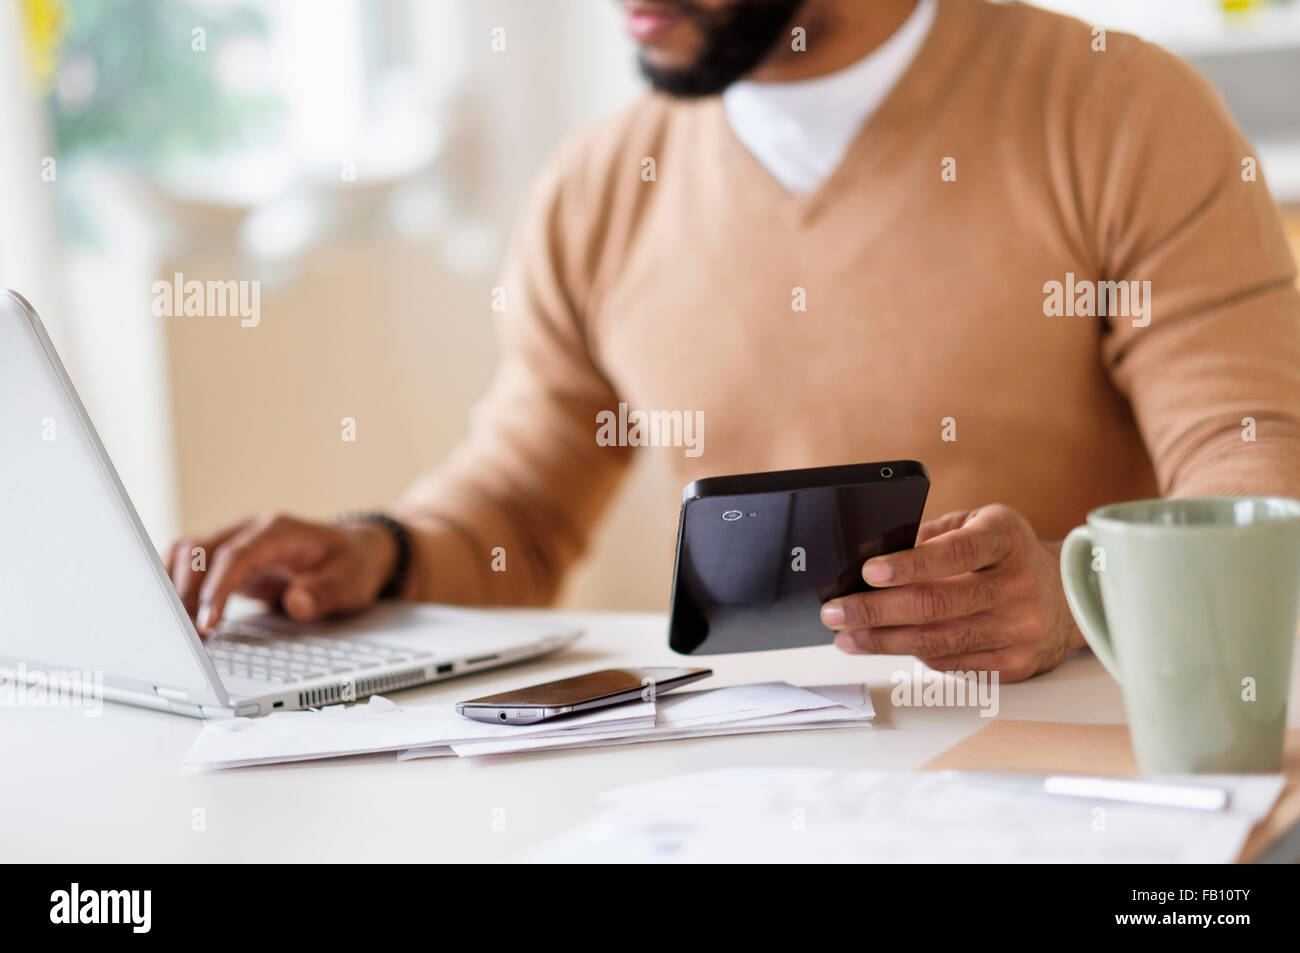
x=825 y=816
x=422 y=731
x=742 y=709
x=375 y=726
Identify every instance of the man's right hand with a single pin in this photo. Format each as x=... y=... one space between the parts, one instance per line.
x=307 y=569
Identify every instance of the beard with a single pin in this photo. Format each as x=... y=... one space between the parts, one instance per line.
x=736 y=40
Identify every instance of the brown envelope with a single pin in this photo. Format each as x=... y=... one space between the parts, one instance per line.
x=1047 y=746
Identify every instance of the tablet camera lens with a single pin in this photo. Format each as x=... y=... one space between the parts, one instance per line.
x=886 y=472
x=502 y=715
x=732 y=515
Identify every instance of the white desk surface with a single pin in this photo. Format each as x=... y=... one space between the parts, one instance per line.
x=114 y=788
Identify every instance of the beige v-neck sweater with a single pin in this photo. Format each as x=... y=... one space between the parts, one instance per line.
x=1011 y=155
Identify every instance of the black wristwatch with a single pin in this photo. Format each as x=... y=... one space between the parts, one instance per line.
x=395 y=584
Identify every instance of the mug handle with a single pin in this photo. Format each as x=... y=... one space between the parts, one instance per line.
x=1083 y=594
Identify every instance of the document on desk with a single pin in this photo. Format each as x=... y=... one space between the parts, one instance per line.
x=741 y=709
x=796 y=815
x=425 y=731
x=378 y=725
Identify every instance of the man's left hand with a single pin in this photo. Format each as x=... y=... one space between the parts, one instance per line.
x=979 y=592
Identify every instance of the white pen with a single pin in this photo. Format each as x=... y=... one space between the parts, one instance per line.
x=1199 y=797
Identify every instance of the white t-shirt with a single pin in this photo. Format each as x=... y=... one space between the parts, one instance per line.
x=800 y=130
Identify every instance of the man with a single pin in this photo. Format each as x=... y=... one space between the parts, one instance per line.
x=987 y=237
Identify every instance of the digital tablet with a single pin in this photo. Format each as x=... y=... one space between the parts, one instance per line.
x=758 y=553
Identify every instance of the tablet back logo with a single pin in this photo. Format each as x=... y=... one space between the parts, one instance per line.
x=128 y=907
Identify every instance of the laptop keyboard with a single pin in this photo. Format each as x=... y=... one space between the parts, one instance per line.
x=277 y=661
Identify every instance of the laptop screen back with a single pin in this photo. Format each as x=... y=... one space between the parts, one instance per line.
x=81 y=588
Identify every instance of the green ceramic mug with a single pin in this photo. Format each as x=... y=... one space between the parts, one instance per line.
x=1193 y=605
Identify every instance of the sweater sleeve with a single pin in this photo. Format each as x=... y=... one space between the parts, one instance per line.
x=510 y=511
x=1212 y=370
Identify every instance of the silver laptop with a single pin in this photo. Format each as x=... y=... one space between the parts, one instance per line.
x=83 y=592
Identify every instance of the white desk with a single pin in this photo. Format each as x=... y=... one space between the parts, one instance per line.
x=114 y=788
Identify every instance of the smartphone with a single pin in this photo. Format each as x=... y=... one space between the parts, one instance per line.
x=758 y=553
x=610 y=686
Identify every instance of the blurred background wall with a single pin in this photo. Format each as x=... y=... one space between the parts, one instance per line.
x=363 y=160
